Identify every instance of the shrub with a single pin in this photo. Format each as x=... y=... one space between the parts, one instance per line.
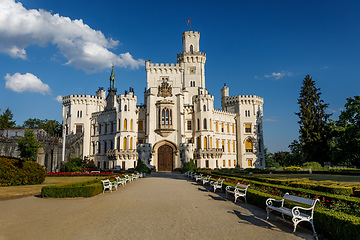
x=78 y=189
x=292 y=168
x=312 y=165
x=17 y=172
x=189 y=166
x=141 y=167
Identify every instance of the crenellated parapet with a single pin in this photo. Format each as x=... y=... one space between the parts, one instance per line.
x=83 y=99
x=162 y=68
x=223 y=113
x=244 y=100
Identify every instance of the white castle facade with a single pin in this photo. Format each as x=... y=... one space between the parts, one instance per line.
x=176 y=123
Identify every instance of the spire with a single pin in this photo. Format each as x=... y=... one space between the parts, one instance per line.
x=112 y=79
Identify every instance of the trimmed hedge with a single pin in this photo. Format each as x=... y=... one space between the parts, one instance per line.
x=330 y=224
x=14 y=171
x=71 y=190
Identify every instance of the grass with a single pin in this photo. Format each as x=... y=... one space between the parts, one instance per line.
x=11 y=192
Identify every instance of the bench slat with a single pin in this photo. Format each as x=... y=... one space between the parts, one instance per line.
x=299 y=199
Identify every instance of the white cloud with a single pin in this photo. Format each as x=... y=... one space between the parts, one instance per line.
x=279 y=75
x=59 y=99
x=26 y=83
x=82 y=46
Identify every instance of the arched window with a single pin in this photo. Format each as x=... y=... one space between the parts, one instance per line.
x=210 y=123
x=99 y=147
x=131 y=143
x=131 y=124
x=217 y=143
x=205 y=143
x=170 y=118
x=210 y=142
x=124 y=144
x=204 y=107
x=248 y=145
x=234 y=146
x=125 y=124
x=228 y=146
x=167 y=117
x=93 y=146
x=205 y=125
x=125 y=108
x=217 y=126
x=163 y=117
x=198 y=124
x=191 y=49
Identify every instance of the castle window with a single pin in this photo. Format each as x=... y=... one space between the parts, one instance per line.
x=210 y=142
x=131 y=124
x=125 y=124
x=170 y=117
x=198 y=123
x=247 y=113
x=124 y=143
x=99 y=147
x=205 y=143
x=229 y=147
x=105 y=146
x=234 y=163
x=163 y=117
x=94 y=128
x=105 y=127
x=249 y=162
x=233 y=128
x=99 y=128
x=93 y=147
x=131 y=143
x=247 y=128
x=198 y=142
x=229 y=163
x=111 y=144
x=207 y=163
x=217 y=126
x=188 y=125
x=210 y=123
x=118 y=143
x=167 y=117
x=125 y=108
x=222 y=127
x=224 y=163
x=227 y=128
x=205 y=125
x=234 y=146
x=191 y=49
x=223 y=146
x=78 y=129
x=248 y=145
x=204 y=107
x=217 y=143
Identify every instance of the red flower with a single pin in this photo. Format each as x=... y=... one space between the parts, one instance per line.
x=275 y=189
x=299 y=194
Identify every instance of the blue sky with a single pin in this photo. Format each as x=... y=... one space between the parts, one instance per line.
x=266 y=48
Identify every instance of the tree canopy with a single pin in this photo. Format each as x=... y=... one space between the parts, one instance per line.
x=28 y=145
x=6 y=119
x=314 y=128
x=52 y=127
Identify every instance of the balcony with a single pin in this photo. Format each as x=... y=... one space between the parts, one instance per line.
x=208 y=153
x=115 y=154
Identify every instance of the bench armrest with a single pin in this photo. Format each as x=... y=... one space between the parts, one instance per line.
x=296 y=211
x=229 y=188
x=269 y=201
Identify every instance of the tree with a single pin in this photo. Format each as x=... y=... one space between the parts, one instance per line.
x=28 y=145
x=6 y=119
x=314 y=128
x=346 y=143
x=269 y=160
x=52 y=127
x=296 y=154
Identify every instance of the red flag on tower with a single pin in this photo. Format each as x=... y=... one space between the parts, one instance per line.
x=188 y=21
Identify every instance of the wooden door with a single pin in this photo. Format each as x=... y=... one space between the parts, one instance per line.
x=165 y=158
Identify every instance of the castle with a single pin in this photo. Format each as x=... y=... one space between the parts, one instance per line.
x=176 y=123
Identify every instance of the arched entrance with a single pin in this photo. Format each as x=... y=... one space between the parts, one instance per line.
x=165 y=158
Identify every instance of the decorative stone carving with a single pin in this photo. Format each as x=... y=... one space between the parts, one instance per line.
x=165 y=90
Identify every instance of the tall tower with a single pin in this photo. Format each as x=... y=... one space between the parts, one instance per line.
x=193 y=61
x=111 y=97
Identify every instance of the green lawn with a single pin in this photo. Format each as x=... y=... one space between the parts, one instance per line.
x=11 y=192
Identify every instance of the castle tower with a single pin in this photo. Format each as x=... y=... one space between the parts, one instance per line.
x=193 y=61
x=111 y=97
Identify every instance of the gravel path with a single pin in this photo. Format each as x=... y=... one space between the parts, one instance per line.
x=160 y=206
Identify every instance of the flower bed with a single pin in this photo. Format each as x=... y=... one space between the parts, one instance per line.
x=75 y=174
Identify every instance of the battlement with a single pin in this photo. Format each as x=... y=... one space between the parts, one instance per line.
x=244 y=99
x=161 y=67
x=191 y=34
x=221 y=112
x=81 y=98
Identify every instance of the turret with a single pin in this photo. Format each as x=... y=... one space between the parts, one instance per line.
x=224 y=95
x=190 y=41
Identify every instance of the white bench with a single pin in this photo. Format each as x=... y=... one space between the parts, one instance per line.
x=120 y=181
x=108 y=185
x=217 y=184
x=206 y=180
x=239 y=191
x=199 y=177
x=297 y=213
